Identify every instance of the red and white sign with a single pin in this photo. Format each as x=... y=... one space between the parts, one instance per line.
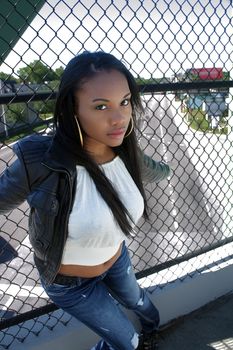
x=208 y=73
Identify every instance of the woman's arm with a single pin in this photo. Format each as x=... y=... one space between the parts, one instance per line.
x=153 y=171
x=14 y=187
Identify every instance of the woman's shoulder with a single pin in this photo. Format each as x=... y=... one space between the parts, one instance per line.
x=35 y=140
x=32 y=147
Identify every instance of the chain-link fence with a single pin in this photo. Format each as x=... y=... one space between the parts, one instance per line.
x=181 y=55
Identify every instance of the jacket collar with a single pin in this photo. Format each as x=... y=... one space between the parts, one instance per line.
x=58 y=158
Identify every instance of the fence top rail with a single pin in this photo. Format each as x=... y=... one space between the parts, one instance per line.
x=144 y=88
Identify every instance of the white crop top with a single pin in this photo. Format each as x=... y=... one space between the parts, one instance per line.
x=93 y=234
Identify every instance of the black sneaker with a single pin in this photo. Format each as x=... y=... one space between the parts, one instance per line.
x=149 y=341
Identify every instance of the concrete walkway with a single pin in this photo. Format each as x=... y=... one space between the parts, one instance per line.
x=209 y=328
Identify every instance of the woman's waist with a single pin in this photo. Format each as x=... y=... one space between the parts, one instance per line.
x=88 y=271
x=89 y=252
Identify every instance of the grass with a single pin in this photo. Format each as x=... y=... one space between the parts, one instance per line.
x=197 y=121
x=22 y=134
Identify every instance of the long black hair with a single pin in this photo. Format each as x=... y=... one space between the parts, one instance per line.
x=81 y=68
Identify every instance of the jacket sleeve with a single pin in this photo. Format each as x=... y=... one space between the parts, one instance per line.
x=151 y=170
x=14 y=187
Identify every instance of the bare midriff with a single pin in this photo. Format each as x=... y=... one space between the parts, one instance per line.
x=89 y=271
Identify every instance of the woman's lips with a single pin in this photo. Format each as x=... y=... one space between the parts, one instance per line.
x=117 y=133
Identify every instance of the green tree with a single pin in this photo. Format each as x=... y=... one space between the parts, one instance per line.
x=5 y=76
x=44 y=109
x=59 y=71
x=16 y=114
x=37 y=73
x=226 y=75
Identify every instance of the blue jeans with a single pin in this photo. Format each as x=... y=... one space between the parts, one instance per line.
x=93 y=302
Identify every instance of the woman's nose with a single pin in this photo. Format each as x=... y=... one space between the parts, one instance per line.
x=117 y=117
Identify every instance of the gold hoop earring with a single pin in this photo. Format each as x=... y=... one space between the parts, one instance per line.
x=79 y=131
x=131 y=129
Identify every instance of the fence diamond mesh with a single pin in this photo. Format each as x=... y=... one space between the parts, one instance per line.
x=181 y=55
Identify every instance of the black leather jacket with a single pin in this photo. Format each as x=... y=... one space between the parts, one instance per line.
x=45 y=175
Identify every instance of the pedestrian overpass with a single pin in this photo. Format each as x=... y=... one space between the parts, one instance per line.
x=183 y=254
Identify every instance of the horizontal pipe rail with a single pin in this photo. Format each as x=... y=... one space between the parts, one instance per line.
x=145 y=88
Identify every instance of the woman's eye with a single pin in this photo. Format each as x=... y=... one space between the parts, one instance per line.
x=125 y=102
x=101 y=107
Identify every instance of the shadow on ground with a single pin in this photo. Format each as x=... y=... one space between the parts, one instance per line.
x=211 y=327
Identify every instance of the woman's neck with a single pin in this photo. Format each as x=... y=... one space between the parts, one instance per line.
x=101 y=155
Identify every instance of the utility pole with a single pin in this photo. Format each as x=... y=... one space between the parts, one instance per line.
x=2 y=109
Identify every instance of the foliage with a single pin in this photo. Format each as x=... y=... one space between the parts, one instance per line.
x=36 y=73
x=197 y=121
x=44 y=107
x=59 y=71
x=142 y=81
x=16 y=113
x=226 y=75
x=5 y=77
x=21 y=134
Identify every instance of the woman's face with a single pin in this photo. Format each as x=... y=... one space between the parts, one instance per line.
x=104 y=109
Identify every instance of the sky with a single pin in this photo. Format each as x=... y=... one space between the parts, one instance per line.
x=154 y=38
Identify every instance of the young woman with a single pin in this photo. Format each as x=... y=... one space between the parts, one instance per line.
x=84 y=187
